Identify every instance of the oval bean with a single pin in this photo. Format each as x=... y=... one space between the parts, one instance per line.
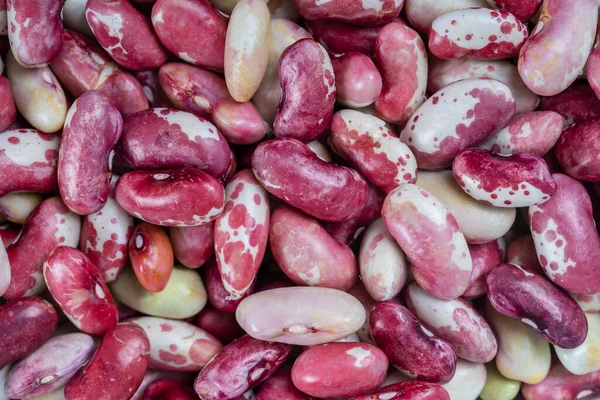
x=17 y=206
x=584 y=358
x=358 y=82
x=562 y=384
x=577 y=148
x=485 y=256
x=421 y=13
x=353 y=11
x=193 y=246
x=151 y=256
x=468 y=381
x=497 y=386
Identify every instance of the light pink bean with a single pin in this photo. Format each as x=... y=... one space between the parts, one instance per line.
x=193 y=246
x=357 y=80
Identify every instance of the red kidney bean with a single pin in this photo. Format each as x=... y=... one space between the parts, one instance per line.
x=562 y=384
x=352 y=11
x=438 y=130
x=125 y=34
x=402 y=59
x=357 y=80
x=339 y=37
x=164 y=138
x=193 y=246
x=524 y=10
x=518 y=293
x=222 y=325
x=9 y=233
x=182 y=24
x=218 y=296
x=520 y=180
x=576 y=150
x=533 y=132
x=484 y=256
x=31 y=46
x=241 y=233
x=92 y=128
x=409 y=346
x=565 y=237
x=151 y=87
x=291 y=171
x=25 y=325
x=51 y=224
x=421 y=13
x=5 y=273
x=168 y=389
x=50 y=366
x=80 y=291
x=547 y=70
x=339 y=369
x=577 y=103
x=455 y=321
x=151 y=256
x=307 y=254
x=280 y=386
x=170 y=197
x=8 y=113
x=429 y=235
x=28 y=160
x=117 y=368
x=241 y=365
x=411 y=390
x=376 y=152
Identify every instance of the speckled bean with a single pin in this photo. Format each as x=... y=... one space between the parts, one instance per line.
x=497 y=386
x=467 y=382
x=151 y=256
x=484 y=257
x=577 y=103
x=17 y=206
x=218 y=296
x=357 y=80
x=561 y=384
x=577 y=149
x=357 y=12
x=522 y=9
x=584 y=358
x=193 y=246
x=280 y=386
x=421 y=13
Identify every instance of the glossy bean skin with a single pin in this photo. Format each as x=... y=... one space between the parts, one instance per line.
x=308 y=91
x=17 y=206
x=442 y=266
x=241 y=365
x=402 y=58
x=485 y=256
x=518 y=293
x=410 y=390
x=339 y=369
x=193 y=246
x=241 y=232
x=151 y=256
x=533 y=132
x=121 y=359
x=78 y=288
x=307 y=254
x=51 y=224
x=50 y=366
x=38 y=96
x=562 y=384
x=409 y=346
x=455 y=321
x=576 y=151
x=170 y=197
x=524 y=10
x=177 y=345
x=357 y=80
x=519 y=180
x=105 y=236
x=5 y=273
x=30 y=46
x=165 y=138
x=222 y=325
x=286 y=167
x=588 y=303
x=421 y=13
x=479 y=33
x=8 y=112
x=437 y=131
x=545 y=70
x=320 y=315
x=125 y=33
x=375 y=151
x=281 y=386
x=29 y=161
x=351 y=11
x=26 y=324
x=339 y=37
x=584 y=358
x=92 y=128
x=218 y=295
x=444 y=72
x=181 y=24
x=468 y=381
x=565 y=237
x=577 y=103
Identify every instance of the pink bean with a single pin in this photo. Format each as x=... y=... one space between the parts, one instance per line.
x=411 y=390
x=280 y=386
x=80 y=291
x=193 y=246
x=421 y=13
x=518 y=293
x=431 y=239
x=25 y=325
x=151 y=256
x=291 y=171
x=125 y=33
x=400 y=54
x=340 y=37
x=520 y=180
x=352 y=11
x=409 y=346
x=577 y=148
x=533 y=132
x=182 y=24
x=555 y=53
x=577 y=103
x=339 y=369
x=241 y=365
x=479 y=33
x=562 y=384
x=358 y=82
x=521 y=251
x=151 y=87
x=117 y=368
x=438 y=130
x=28 y=160
x=170 y=197
x=455 y=321
x=92 y=128
x=307 y=254
x=31 y=46
x=222 y=325
x=51 y=224
x=218 y=296
x=164 y=138
x=241 y=232
x=522 y=9
x=5 y=273
x=8 y=112
x=566 y=240
x=484 y=256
